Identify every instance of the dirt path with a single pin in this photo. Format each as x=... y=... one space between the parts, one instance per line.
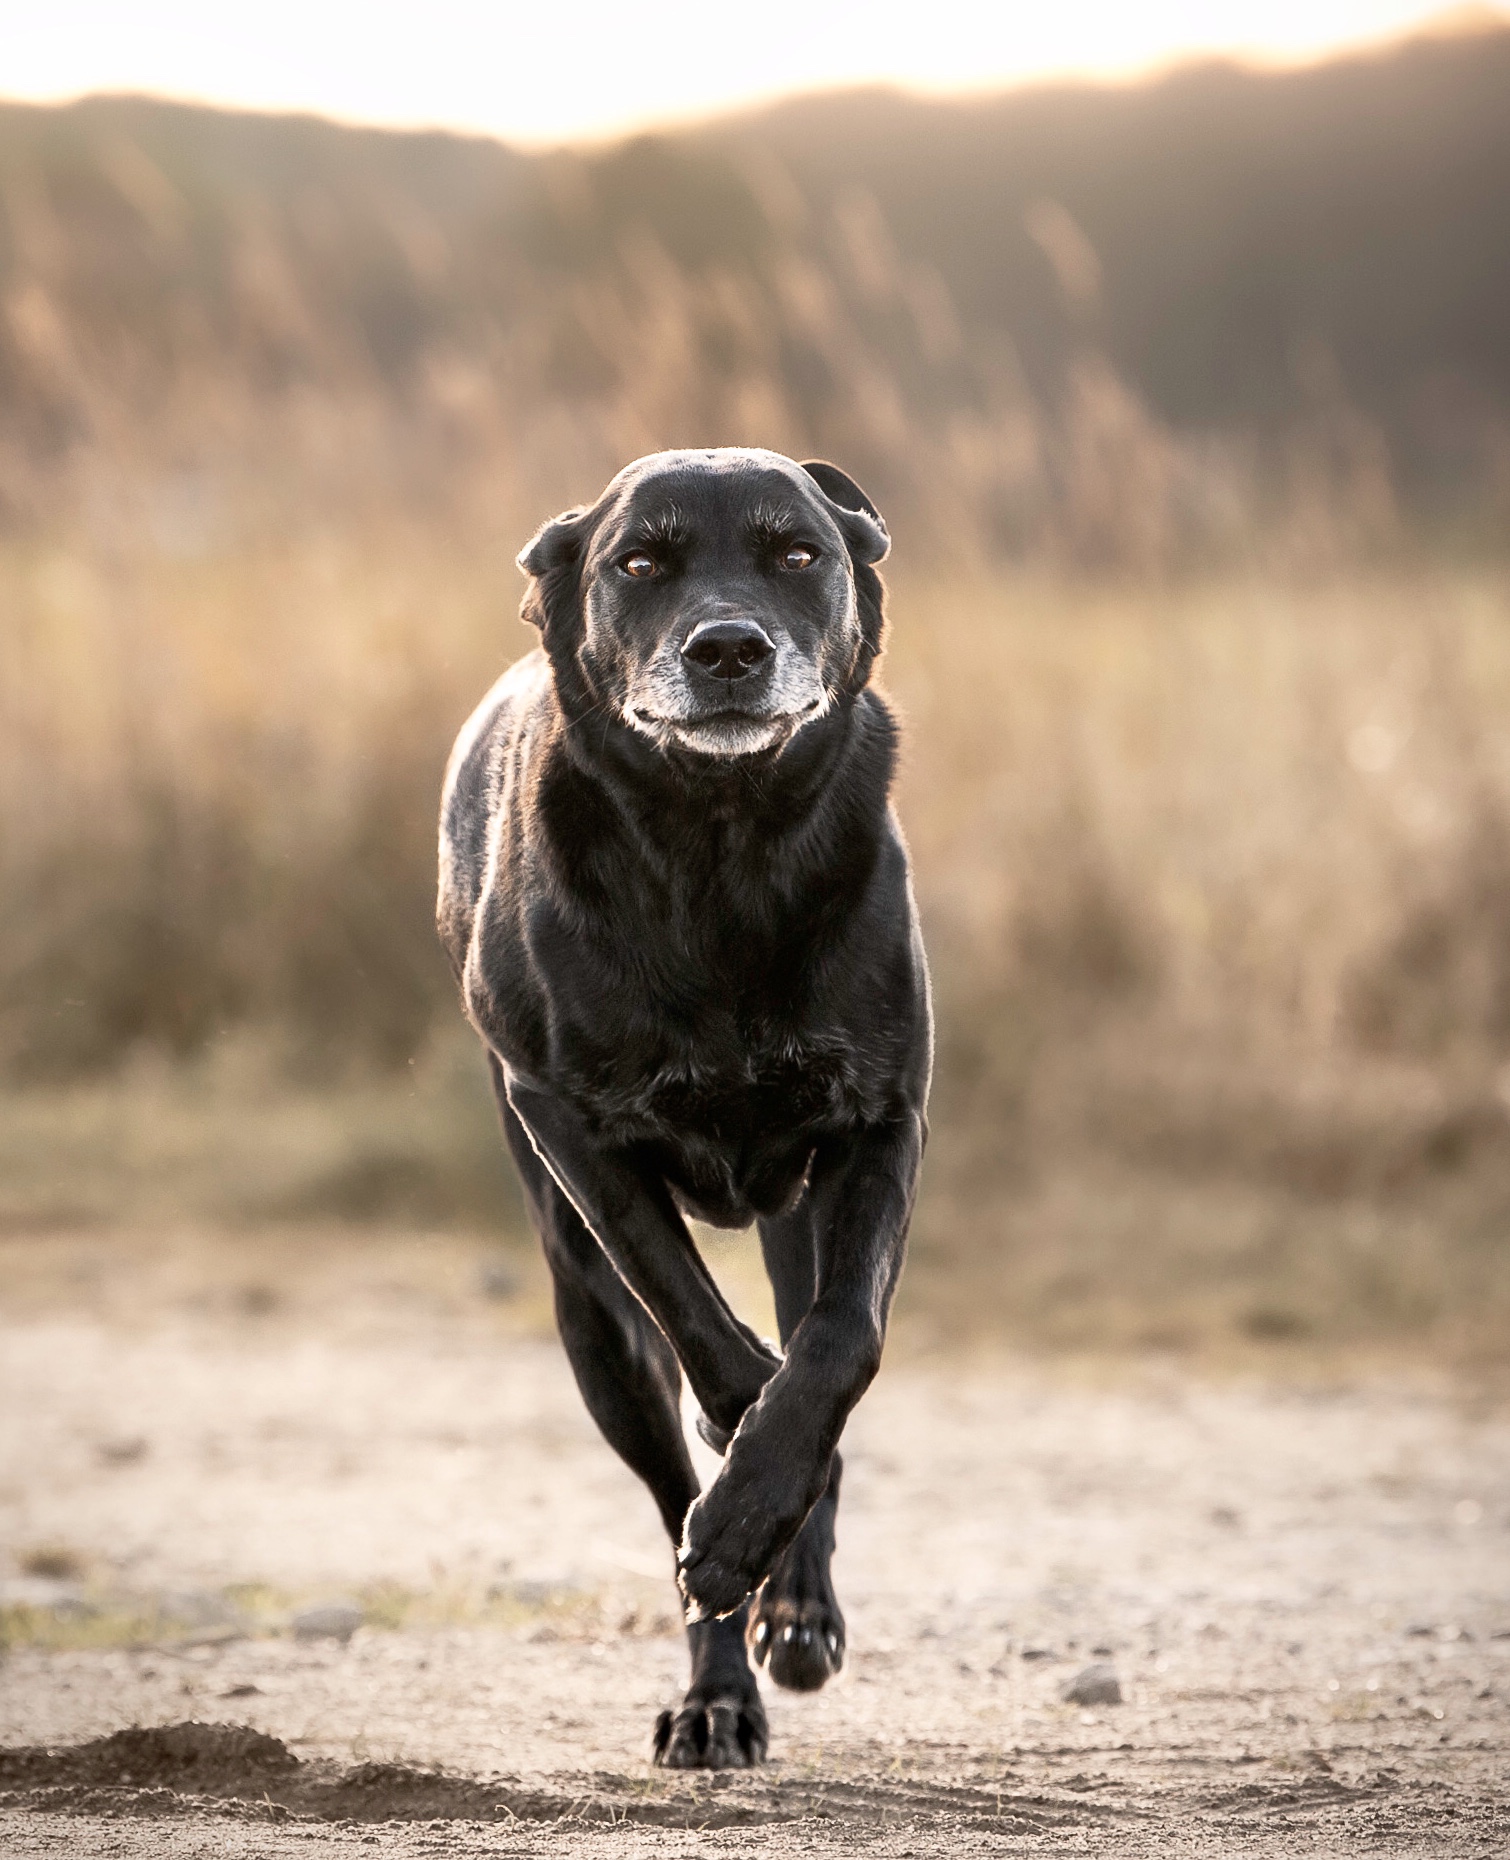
x=1305 y=1596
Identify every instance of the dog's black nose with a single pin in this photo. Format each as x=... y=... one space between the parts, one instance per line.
x=728 y=648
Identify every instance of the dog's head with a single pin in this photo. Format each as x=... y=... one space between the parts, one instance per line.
x=715 y=602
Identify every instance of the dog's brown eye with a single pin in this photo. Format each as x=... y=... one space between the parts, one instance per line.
x=640 y=565
x=797 y=557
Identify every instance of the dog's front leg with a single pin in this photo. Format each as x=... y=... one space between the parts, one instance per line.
x=777 y=1466
x=635 y=1221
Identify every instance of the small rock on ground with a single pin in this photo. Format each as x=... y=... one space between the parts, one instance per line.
x=328 y=1621
x=1096 y=1684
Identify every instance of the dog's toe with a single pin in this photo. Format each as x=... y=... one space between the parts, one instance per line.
x=722 y=1733
x=802 y=1643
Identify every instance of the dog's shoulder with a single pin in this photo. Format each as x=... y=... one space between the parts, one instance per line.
x=486 y=759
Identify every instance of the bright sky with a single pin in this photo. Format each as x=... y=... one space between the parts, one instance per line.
x=539 y=73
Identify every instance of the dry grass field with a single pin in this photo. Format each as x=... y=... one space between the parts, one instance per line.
x=1215 y=873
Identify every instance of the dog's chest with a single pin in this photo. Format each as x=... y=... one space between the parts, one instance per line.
x=730 y=1086
x=731 y=1134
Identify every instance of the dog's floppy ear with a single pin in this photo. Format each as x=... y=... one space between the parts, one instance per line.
x=552 y=559
x=863 y=525
x=865 y=533
x=553 y=545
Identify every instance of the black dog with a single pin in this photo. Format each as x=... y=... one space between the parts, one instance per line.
x=679 y=908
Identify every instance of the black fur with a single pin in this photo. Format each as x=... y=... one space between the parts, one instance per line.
x=679 y=908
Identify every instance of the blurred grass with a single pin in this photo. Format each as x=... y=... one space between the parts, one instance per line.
x=1215 y=882
x=229 y=1140
x=1216 y=878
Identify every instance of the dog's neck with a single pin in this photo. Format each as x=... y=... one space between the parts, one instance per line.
x=750 y=837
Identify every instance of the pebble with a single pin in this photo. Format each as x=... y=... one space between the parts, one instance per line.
x=328 y=1621
x=1096 y=1684
x=124 y=1451
x=498 y=1280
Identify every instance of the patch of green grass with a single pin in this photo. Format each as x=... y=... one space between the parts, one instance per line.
x=98 y=1620
x=545 y=1610
x=88 y=1624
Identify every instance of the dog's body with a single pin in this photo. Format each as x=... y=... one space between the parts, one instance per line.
x=680 y=912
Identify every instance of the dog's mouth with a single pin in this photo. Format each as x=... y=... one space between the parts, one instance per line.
x=728 y=732
x=725 y=719
x=732 y=718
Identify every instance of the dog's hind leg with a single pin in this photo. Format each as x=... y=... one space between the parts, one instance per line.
x=631 y=1382
x=795 y=1621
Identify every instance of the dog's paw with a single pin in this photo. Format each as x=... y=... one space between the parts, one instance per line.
x=801 y=1642
x=728 y=1544
x=795 y=1626
x=744 y=1521
x=724 y=1732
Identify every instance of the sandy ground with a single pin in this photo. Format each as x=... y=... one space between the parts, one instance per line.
x=1305 y=1593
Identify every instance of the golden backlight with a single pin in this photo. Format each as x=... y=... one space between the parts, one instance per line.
x=539 y=74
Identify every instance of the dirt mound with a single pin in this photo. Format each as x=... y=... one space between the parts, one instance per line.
x=204 y=1759
x=177 y=1768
